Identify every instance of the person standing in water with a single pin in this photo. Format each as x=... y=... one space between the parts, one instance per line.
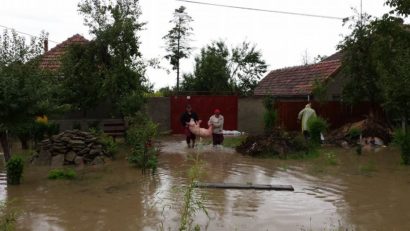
x=185 y=119
x=217 y=122
x=305 y=115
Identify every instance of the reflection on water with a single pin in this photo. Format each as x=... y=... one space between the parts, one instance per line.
x=118 y=197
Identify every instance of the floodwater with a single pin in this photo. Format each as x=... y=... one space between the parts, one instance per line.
x=368 y=192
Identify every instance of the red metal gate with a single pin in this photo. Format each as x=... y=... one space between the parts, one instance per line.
x=204 y=107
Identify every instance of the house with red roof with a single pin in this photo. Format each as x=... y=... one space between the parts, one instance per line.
x=51 y=59
x=297 y=83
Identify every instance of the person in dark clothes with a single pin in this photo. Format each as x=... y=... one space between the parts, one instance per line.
x=185 y=118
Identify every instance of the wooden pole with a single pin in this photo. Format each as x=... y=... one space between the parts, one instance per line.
x=245 y=186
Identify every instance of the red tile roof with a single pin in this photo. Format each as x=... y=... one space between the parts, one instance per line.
x=336 y=56
x=296 y=81
x=51 y=60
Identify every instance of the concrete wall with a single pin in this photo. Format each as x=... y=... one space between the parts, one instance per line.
x=159 y=109
x=250 y=115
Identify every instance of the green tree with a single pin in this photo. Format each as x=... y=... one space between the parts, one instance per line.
x=358 y=65
x=211 y=72
x=219 y=69
x=82 y=81
x=26 y=91
x=247 y=67
x=177 y=39
x=115 y=25
x=392 y=53
x=400 y=6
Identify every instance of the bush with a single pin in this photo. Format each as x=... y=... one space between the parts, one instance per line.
x=139 y=135
x=354 y=133
x=108 y=143
x=53 y=129
x=316 y=125
x=403 y=140
x=270 y=115
x=94 y=125
x=61 y=174
x=14 y=168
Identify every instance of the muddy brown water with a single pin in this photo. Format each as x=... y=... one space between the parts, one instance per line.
x=370 y=192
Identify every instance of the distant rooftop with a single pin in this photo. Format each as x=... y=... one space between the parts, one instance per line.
x=51 y=60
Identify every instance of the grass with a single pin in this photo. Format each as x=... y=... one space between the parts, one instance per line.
x=8 y=216
x=233 y=141
x=62 y=174
x=191 y=204
x=367 y=168
x=229 y=141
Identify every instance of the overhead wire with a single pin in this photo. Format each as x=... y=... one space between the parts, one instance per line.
x=264 y=10
x=24 y=33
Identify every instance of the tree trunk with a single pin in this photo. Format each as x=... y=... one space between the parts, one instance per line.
x=5 y=145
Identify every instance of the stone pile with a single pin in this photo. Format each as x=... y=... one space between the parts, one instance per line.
x=73 y=147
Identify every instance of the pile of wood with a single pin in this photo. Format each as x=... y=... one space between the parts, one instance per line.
x=72 y=147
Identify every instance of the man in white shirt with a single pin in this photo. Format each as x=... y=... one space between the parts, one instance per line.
x=217 y=122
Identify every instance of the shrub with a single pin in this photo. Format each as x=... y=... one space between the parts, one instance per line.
x=14 y=168
x=94 y=125
x=8 y=216
x=403 y=140
x=140 y=133
x=108 y=143
x=57 y=174
x=270 y=115
x=354 y=133
x=316 y=125
x=53 y=129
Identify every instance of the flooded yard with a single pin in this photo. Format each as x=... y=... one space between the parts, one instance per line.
x=338 y=190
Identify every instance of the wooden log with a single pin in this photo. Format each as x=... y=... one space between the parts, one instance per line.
x=245 y=186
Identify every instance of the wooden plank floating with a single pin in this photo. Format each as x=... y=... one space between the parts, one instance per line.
x=245 y=186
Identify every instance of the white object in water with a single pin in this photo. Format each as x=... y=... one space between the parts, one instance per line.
x=233 y=132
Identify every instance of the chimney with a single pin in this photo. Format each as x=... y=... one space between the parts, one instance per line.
x=45 y=45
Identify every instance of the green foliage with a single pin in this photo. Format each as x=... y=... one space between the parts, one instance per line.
x=316 y=126
x=319 y=90
x=177 y=39
x=14 y=168
x=106 y=141
x=377 y=61
x=140 y=134
x=62 y=174
x=331 y=158
x=8 y=217
x=82 y=81
x=299 y=143
x=191 y=203
x=25 y=90
x=211 y=73
x=246 y=66
x=221 y=70
x=403 y=140
x=358 y=65
x=233 y=142
x=94 y=126
x=117 y=65
x=400 y=6
x=354 y=133
x=270 y=115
